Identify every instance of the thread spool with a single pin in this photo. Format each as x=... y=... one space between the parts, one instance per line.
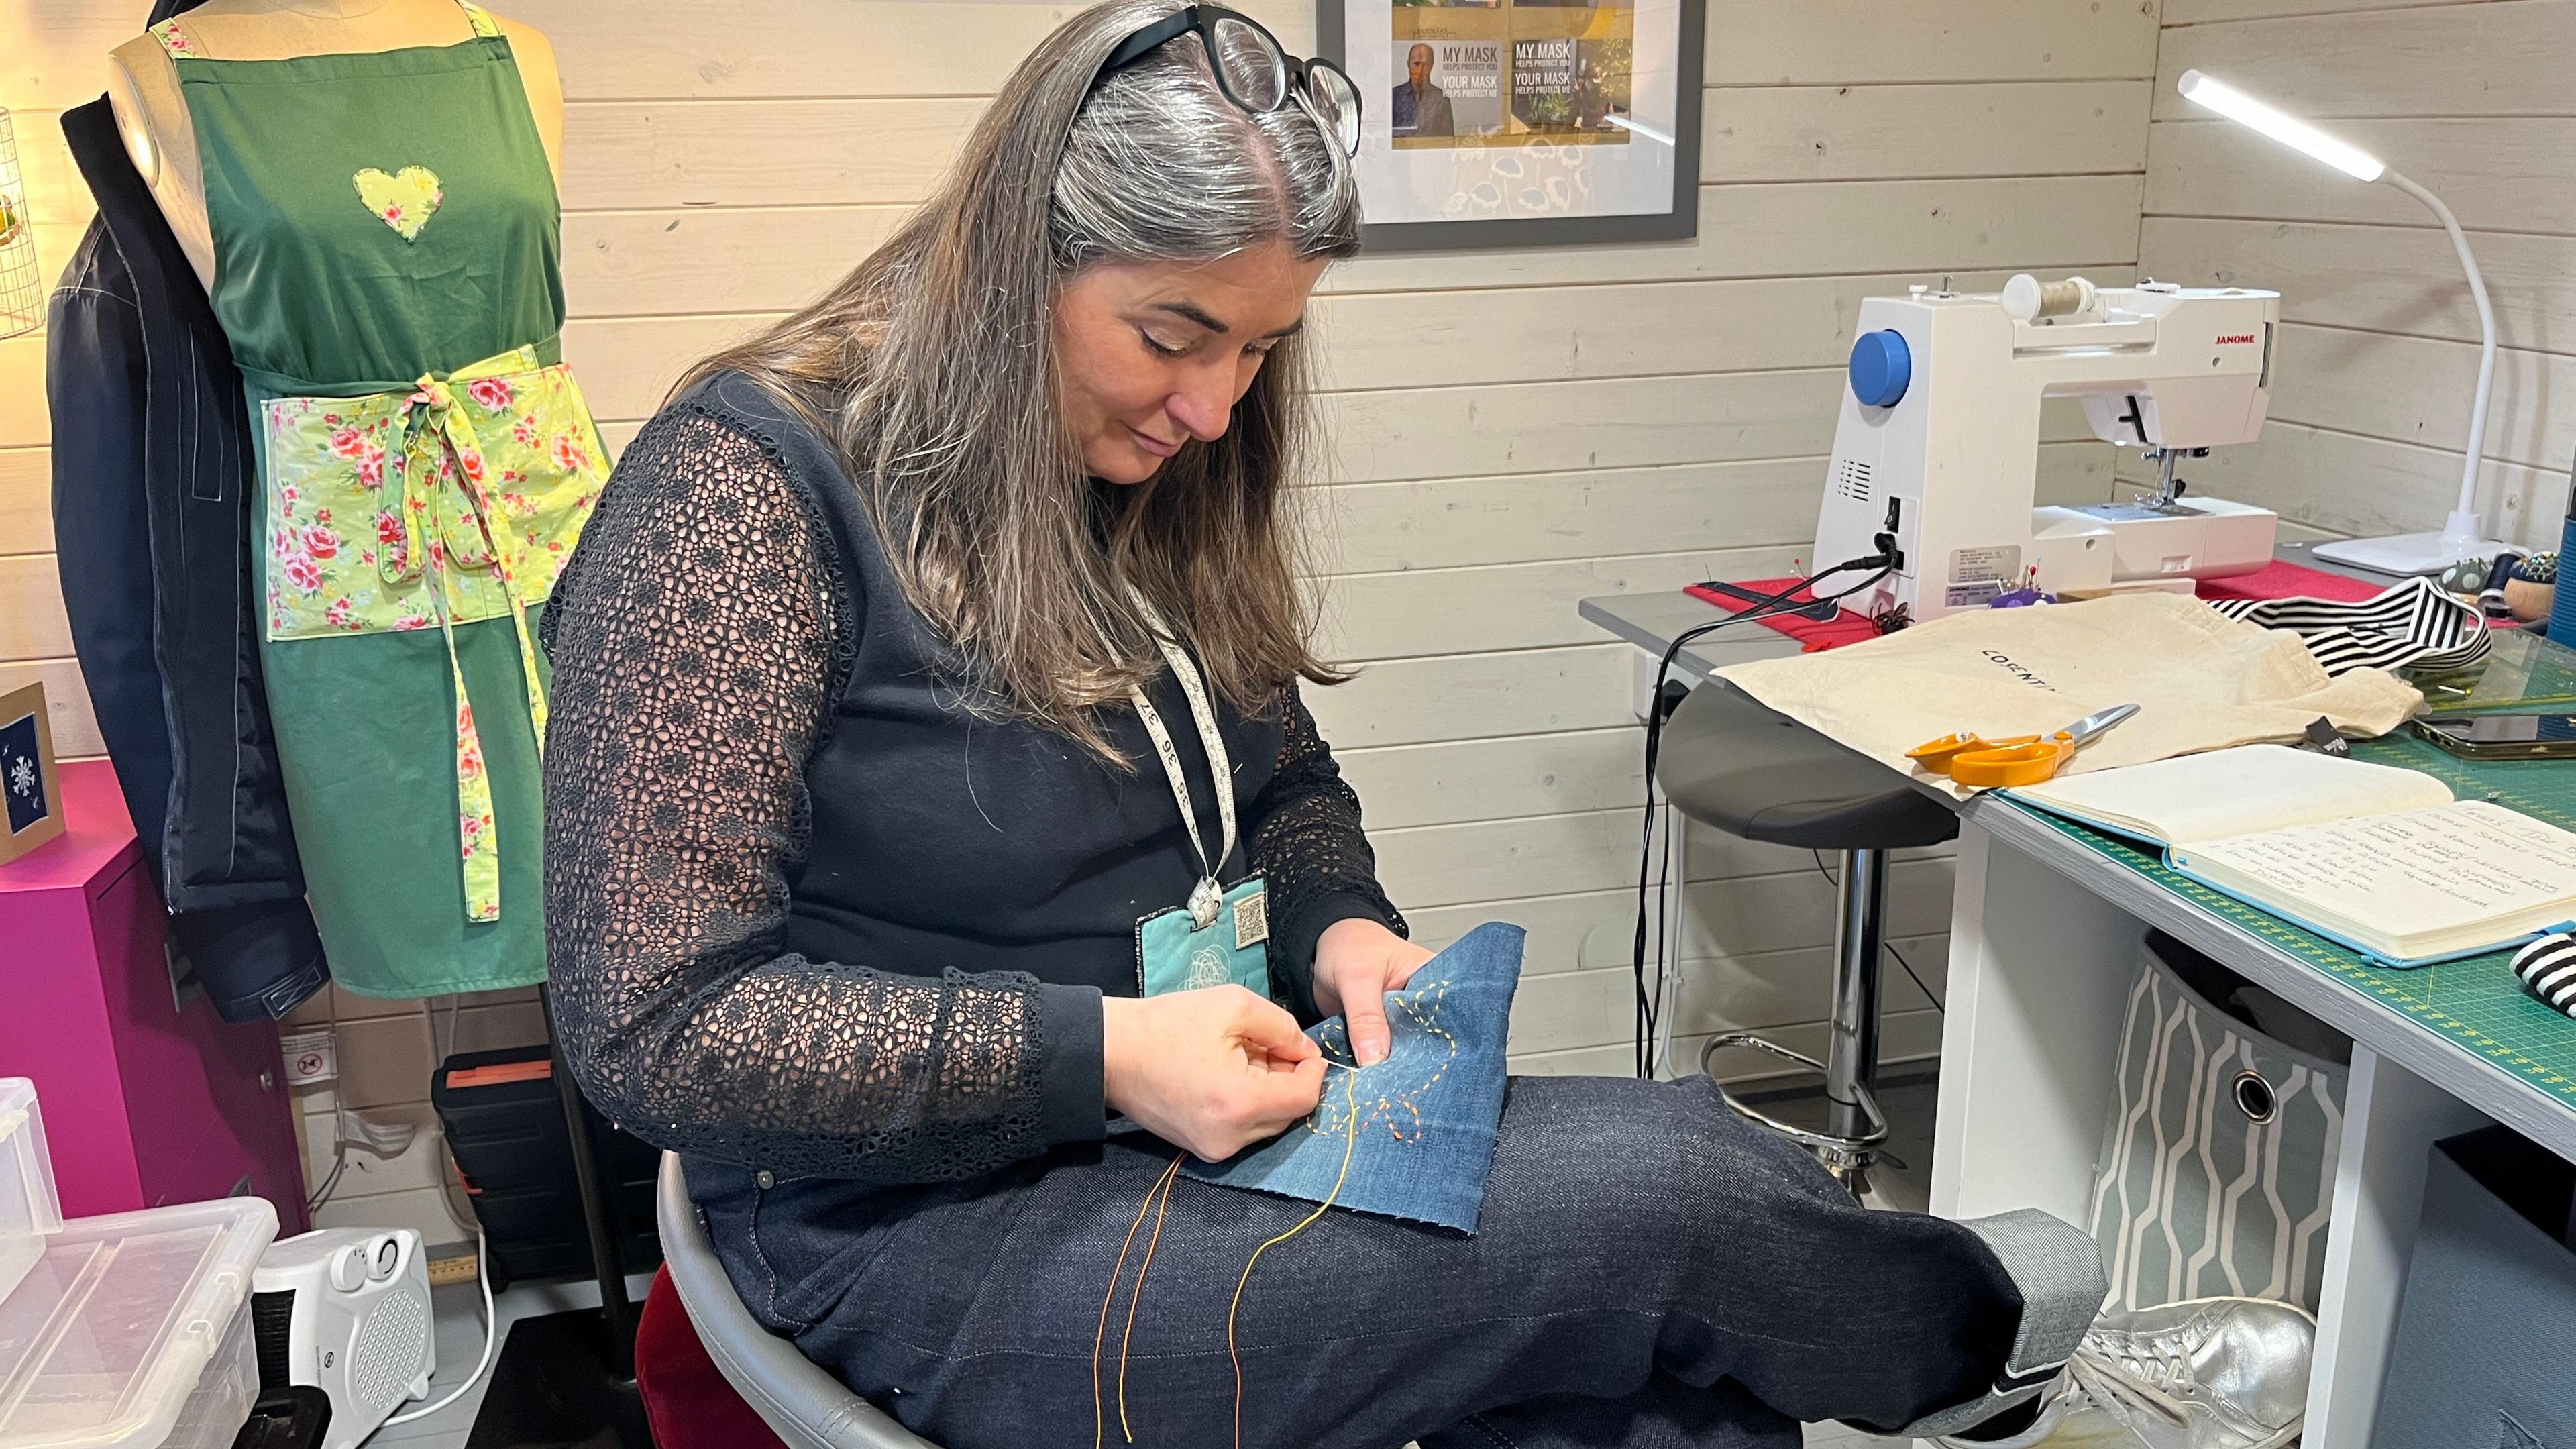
x=2028 y=299
x=2562 y=604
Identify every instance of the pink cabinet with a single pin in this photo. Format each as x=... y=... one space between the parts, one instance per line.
x=148 y=1101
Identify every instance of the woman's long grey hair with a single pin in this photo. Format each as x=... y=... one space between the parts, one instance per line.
x=932 y=367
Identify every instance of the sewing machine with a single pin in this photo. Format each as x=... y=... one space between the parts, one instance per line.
x=1937 y=450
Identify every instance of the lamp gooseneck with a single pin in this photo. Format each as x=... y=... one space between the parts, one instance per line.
x=2462 y=526
x=2461 y=536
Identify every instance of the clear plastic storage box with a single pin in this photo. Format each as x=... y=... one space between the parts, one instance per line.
x=28 y=1209
x=125 y=1331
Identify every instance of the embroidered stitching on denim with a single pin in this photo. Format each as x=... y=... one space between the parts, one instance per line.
x=1336 y=1044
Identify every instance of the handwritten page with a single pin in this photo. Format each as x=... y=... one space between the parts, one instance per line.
x=2416 y=883
x=2225 y=793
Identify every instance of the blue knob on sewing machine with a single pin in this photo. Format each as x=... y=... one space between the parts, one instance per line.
x=1880 y=368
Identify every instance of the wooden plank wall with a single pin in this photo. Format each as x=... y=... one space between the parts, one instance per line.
x=1515 y=430
x=2378 y=355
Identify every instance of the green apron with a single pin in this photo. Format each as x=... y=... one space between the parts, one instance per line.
x=387 y=267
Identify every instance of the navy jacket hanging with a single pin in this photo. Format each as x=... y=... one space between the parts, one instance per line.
x=152 y=497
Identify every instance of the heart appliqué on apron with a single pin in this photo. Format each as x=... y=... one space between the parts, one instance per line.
x=404 y=201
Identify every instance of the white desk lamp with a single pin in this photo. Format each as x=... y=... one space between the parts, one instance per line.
x=2405 y=553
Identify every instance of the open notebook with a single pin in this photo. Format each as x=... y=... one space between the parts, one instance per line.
x=2383 y=860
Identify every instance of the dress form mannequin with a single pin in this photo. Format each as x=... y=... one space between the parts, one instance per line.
x=143 y=84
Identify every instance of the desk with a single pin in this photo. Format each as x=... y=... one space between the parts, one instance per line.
x=2043 y=949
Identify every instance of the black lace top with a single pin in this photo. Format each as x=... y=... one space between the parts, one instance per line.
x=807 y=912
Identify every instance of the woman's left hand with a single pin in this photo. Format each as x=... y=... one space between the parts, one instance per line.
x=1356 y=963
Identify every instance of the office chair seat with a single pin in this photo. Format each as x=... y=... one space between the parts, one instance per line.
x=804 y=1405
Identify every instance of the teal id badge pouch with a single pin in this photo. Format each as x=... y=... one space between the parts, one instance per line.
x=1171 y=955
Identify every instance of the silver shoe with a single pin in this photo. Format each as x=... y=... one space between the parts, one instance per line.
x=2211 y=1373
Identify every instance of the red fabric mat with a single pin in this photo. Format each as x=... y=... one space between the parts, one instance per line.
x=1812 y=635
x=2277 y=580
x=2272 y=581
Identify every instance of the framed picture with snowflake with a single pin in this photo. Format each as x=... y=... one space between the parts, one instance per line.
x=28 y=780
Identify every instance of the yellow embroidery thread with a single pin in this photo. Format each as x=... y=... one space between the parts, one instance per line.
x=1169 y=1177
x=1099 y=1422
x=1350 y=1097
x=1425 y=1016
x=1158 y=1201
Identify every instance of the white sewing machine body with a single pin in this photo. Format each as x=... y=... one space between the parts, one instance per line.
x=1938 y=441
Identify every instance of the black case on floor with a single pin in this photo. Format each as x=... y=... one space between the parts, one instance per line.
x=290 y=1417
x=509 y=1143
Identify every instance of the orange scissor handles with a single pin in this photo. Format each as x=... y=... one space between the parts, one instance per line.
x=1937 y=756
x=1978 y=762
x=2019 y=765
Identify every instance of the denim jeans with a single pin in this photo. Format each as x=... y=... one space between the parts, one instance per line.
x=1648 y=1270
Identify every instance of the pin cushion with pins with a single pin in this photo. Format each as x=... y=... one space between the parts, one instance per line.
x=2468 y=576
x=2022 y=598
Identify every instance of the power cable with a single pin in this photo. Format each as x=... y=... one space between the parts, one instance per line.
x=1649 y=1004
x=491 y=1337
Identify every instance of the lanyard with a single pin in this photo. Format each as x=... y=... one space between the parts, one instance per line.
x=1208 y=895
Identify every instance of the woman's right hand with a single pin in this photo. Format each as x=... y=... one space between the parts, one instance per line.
x=1212 y=1071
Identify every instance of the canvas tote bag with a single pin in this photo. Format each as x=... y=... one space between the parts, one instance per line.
x=2202 y=681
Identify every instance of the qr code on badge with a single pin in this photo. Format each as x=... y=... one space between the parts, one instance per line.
x=1252 y=919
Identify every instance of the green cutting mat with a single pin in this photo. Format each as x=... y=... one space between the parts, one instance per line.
x=2523 y=672
x=2474 y=1001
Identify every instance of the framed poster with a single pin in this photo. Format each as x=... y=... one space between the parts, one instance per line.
x=31 y=791
x=1490 y=123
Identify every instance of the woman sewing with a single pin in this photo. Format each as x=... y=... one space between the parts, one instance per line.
x=896 y=680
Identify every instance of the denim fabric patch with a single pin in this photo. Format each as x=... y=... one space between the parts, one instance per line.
x=1417 y=1128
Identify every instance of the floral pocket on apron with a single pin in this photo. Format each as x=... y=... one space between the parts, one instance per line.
x=449 y=502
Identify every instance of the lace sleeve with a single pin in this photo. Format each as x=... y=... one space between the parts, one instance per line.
x=692 y=640
x=1308 y=845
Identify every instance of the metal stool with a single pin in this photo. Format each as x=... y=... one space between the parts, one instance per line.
x=1728 y=762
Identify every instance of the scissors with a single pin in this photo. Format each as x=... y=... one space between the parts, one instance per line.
x=1972 y=759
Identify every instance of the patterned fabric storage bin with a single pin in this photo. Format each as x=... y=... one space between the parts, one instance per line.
x=2217 y=1166
x=2480 y=1360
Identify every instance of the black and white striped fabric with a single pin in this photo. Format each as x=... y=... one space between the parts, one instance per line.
x=2548 y=967
x=2412 y=626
